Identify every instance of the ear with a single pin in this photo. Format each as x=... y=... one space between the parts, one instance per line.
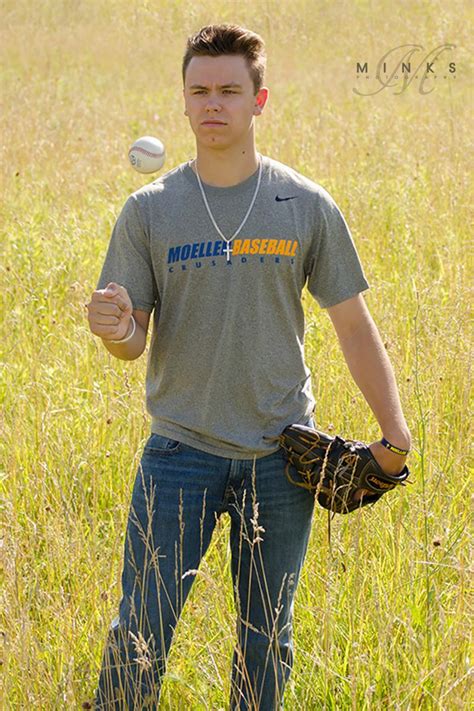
x=260 y=100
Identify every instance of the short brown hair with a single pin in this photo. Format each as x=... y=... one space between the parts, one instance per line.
x=215 y=40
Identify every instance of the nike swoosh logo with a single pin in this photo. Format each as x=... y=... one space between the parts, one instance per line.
x=279 y=199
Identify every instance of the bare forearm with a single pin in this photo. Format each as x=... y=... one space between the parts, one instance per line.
x=372 y=371
x=370 y=367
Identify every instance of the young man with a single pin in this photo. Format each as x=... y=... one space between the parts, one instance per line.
x=219 y=249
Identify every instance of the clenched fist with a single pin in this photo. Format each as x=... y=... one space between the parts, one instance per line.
x=110 y=310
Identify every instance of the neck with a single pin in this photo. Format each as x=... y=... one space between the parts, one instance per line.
x=225 y=168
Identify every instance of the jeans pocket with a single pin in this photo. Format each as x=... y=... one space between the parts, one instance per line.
x=160 y=444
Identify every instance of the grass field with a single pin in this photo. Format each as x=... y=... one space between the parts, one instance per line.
x=383 y=617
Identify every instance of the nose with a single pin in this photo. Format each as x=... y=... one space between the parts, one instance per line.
x=212 y=104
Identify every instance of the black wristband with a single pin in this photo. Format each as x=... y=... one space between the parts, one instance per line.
x=392 y=448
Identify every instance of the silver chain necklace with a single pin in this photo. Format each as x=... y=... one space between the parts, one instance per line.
x=228 y=248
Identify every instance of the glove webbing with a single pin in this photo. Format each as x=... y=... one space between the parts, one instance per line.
x=306 y=474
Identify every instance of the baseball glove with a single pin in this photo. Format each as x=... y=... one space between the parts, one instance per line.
x=335 y=468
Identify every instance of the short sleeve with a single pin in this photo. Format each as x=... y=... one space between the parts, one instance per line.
x=128 y=259
x=334 y=271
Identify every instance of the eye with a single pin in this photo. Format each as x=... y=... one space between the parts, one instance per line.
x=229 y=91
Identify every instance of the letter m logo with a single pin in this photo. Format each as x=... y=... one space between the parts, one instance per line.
x=173 y=254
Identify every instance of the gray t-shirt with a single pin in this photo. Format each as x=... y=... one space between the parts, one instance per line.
x=226 y=370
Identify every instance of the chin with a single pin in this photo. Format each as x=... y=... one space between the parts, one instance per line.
x=213 y=142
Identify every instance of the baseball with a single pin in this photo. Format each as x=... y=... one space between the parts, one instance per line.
x=147 y=154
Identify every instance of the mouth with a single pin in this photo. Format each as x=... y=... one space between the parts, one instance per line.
x=213 y=123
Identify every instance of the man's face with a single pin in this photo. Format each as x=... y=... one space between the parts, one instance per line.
x=220 y=100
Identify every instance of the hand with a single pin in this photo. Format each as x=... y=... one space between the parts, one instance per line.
x=390 y=462
x=110 y=311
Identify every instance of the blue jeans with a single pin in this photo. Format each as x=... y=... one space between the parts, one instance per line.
x=178 y=495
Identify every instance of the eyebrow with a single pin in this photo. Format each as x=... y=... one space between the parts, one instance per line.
x=231 y=84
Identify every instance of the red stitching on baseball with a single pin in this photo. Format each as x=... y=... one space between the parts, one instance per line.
x=145 y=152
